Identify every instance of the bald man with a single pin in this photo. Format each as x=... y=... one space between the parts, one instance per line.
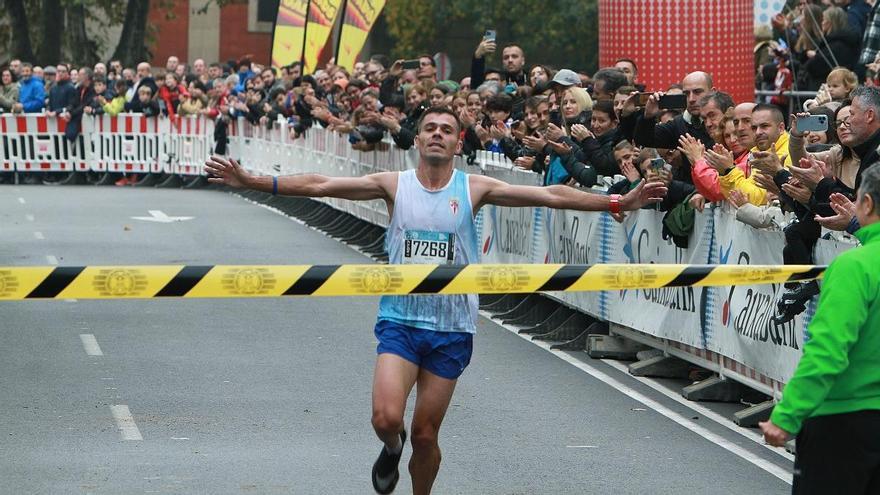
x=143 y=77
x=652 y=135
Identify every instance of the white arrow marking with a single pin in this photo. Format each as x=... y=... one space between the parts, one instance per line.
x=159 y=216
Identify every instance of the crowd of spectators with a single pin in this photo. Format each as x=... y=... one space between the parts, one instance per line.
x=570 y=126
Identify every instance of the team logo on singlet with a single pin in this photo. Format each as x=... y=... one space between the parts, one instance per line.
x=453 y=205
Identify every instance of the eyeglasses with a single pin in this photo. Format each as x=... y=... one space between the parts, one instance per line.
x=847 y=124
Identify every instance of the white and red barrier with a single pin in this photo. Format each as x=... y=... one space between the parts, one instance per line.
x=36 y=143
x=189 y=143
x=126 y=143
x=131 y=143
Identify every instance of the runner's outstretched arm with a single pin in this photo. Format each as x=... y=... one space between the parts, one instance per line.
x=230 y=173
x=487 y=190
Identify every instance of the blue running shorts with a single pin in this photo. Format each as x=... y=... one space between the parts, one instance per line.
x=445 y=354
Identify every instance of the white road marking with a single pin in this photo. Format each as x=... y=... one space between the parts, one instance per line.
x=70 y=300
x=90 y=344
x=582 y=446
x=51 y=259
x=161 y=217
x=30 y=218
x=125 y=422
x=722 y=442
x=705 y=411
x=39 y=235
x=21 y=200
x=179 y=438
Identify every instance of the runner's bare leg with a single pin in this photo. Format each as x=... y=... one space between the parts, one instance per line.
x=393 y=381
x=432 y=399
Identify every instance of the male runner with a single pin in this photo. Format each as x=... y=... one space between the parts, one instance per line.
x=426 y=340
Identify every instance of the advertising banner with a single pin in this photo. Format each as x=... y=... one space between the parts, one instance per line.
x=287 y=40
x=322 y=17
x=360 y=15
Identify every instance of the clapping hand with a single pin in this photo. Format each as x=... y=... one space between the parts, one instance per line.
x=845 y=211
x=737 y=199
x=554 y=132
x=719 y=158
x=810 y=172
x=580 y=132
x=798 y=191
x=535 y=143
x=525 y=162
x=765 y=182
x=561 y=149
x=690 y=147
x=767 y=161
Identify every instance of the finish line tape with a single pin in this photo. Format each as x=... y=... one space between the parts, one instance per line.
x=215 y=281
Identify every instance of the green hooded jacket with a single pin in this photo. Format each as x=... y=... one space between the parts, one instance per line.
x=840 y=369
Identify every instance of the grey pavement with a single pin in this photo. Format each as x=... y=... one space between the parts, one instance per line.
x=273 y=395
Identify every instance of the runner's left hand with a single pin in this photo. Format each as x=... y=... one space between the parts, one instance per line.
x=226 y=171
x=644 y=194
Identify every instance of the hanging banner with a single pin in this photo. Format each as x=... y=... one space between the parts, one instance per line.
x=287 y=40
x=359 y=18
x=322 y=17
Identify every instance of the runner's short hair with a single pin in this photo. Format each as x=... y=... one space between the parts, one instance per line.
x=442 y=111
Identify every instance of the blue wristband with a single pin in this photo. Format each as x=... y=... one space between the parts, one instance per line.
x=274 y=185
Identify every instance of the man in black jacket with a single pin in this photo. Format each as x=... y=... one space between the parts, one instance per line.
x=62 y=93
x=650 y=134
x=512 y=57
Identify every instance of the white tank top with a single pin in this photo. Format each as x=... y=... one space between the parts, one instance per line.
x=434 y=227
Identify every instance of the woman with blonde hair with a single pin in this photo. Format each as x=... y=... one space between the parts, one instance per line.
x=839 y=45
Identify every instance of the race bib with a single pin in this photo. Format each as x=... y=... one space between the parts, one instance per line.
x=424 y=247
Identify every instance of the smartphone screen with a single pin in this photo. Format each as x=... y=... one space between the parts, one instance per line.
x=673 y=102
x=410 y=64
x=489 y=35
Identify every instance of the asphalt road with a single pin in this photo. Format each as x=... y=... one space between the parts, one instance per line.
x=273 y=396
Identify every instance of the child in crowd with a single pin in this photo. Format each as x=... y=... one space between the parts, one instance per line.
x=149 y=107
x=172 y=93
x=838 y=86
x=116 y=105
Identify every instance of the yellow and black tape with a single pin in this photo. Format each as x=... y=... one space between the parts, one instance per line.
x=214 y=281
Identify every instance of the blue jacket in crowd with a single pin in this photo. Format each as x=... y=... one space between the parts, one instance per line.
x=31 y=94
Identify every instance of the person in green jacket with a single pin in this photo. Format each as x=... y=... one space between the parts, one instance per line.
x=832 y=403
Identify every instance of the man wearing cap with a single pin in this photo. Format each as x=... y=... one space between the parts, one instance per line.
x=49 y=74
x=564 y=79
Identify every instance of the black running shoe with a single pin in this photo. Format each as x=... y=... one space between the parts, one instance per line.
x=385 y=473
x=794 y=302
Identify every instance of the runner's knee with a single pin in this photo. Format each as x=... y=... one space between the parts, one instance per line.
x=387 y=421
x=424 y=437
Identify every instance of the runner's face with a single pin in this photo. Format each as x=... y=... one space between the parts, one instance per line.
x=438 y=138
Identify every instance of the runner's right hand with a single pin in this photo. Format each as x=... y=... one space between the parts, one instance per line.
x=226 y=171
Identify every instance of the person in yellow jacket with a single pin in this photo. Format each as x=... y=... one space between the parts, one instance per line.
x=771 y=149
x=117 y=105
